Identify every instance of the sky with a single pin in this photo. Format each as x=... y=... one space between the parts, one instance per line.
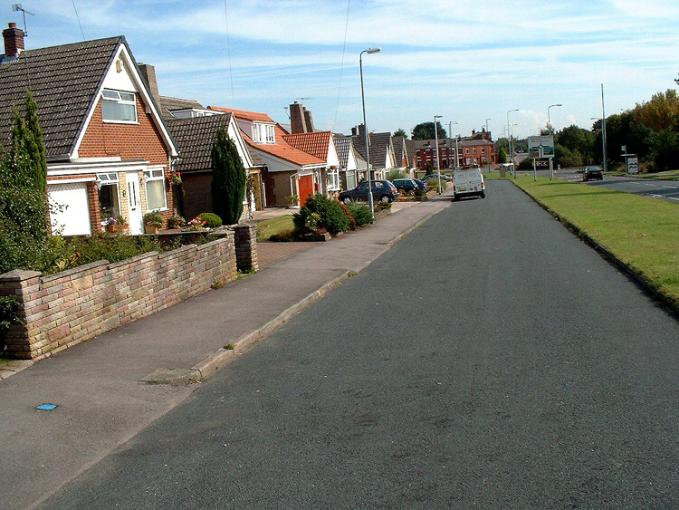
x=465 y=60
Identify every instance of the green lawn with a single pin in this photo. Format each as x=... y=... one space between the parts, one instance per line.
x=642 y=232
x=266 y=228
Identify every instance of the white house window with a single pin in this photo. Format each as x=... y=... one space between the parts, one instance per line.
x=108 y=195
x=118 y=106
x=270 y=134
x=333 y=179
x=154 y=181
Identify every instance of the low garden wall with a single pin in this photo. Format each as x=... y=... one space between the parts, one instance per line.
x=63 y=309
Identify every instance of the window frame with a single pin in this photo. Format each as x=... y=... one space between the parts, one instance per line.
x=129 y=102
x=109 y=179
x=151 y=175
x=333 y=179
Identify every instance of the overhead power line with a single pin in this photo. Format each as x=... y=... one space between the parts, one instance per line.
x=341 y=75
x=228 y=45
x=75 y=9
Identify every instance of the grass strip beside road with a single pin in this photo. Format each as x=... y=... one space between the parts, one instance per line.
x=642 y=232
x=266 y=228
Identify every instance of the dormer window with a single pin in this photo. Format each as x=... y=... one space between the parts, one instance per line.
x=118 y=106
x=263 y=133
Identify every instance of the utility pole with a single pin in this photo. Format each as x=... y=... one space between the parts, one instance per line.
x=450 y=136
x=509 y=135
x=489 y=145
x=603 y=128
x=369 y=51
x=436 y=138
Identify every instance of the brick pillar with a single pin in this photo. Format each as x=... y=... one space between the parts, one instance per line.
x=24 y=286
x=94 y=206
x=246 y=247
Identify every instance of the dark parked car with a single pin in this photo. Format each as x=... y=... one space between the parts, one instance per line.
x=406 y=185
x=383 y=191
x=421 y=184
x=592 y=173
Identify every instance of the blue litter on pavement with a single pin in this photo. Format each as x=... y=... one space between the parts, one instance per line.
x=46 y=407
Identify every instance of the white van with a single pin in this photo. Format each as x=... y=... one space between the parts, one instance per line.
x=468 y=182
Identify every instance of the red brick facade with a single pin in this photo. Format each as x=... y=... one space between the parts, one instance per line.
x=139 y=141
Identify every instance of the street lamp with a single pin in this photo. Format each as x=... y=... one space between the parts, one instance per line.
x=603 y=141
x=489 y=147
x=509 y=134
x=549 y=118
x=369 y=51
x=436 y=138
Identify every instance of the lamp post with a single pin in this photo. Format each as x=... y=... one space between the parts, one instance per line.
x=369 y=51
x=603 y=141
x=603 y=128
x=489 y=147
x=509 y=134
x=549 y=118
x=450 y=135
x=436 y=138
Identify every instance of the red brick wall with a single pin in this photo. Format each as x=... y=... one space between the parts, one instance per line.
x=129 y=142
x=67 y=308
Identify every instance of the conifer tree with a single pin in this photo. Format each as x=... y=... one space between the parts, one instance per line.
x=228 y=179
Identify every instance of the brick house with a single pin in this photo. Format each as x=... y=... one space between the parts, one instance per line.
x=425 y=155
x=287 y=171
x=108 y=151
x=477 y=152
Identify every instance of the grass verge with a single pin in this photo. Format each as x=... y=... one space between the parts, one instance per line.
x=267 y=228
x=640 y=232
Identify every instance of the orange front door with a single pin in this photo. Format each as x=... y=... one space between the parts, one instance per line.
x=306 y=189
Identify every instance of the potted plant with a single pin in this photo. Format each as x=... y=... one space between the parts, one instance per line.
x=196 y=223
x=111 y=224
x=153 y=222
x=293 y=201
x=176 y=178
x=176 y=221
x=121 y=224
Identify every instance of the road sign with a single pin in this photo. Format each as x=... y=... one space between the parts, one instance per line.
x=541 y=146
x=632 y=164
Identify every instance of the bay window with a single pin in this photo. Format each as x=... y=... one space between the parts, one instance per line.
x=108 y=195
x=154 y=182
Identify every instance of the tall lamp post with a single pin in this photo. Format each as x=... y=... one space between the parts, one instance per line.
x=369 y=51
x=603 y=128
x=489 y=147
x=603 y=141
x=436 y=138
x=549 y=118
x=509 y=134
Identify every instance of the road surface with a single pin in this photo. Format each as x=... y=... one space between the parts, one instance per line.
x=666 y=190
x=489 y=360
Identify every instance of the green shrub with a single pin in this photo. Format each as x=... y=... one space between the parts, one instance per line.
x=211 y=220
x=350 y=217
x=360 y=213
x=324 y=213
x=382 y=206
x=395 y=174
x=9 y=314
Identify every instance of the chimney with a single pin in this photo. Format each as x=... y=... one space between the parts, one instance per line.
x=361 y=132
x=14 y=40
x=297 y=118
x=148 y=74
x=308 y=120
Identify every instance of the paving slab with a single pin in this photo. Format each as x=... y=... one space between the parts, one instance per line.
x=102 y=386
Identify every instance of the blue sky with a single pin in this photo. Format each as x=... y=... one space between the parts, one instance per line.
x=467 y=60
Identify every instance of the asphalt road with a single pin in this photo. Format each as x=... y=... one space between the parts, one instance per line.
x=489 y=360
x=667 y=190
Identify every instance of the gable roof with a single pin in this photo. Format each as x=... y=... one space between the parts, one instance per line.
x=195 y=137
x=316 y=143
x=244 y=114
x=342 y=146
x=64 y=81
x=281 y=149
x=400 y=150
x=380 y=145
x=167 y=104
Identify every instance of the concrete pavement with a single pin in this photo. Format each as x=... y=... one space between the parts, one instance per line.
x=99 y=386
x=490 y=360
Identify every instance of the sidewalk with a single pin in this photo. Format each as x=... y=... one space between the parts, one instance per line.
x=99 y=386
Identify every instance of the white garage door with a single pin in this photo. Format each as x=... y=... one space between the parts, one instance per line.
x=70 y=214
